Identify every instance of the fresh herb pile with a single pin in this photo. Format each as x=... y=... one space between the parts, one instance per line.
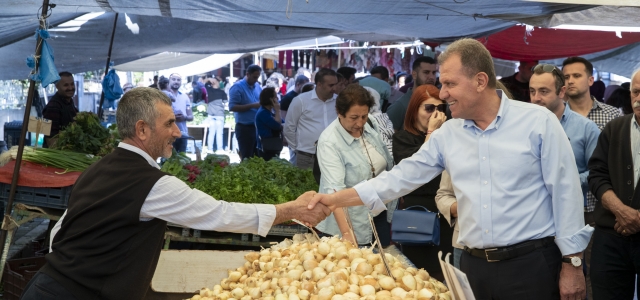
x=86 y=135
x=252 y=181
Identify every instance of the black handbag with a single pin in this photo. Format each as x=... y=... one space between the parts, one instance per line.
x=272 y=143
x=415 y=225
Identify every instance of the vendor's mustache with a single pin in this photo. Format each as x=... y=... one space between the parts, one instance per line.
x=636 y=104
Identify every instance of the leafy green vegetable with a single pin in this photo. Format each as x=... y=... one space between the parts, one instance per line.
x=69 y=161
x=254 y=181
x=85 y=135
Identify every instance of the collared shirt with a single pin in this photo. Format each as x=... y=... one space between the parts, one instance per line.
x=344 y=163
x=583 y=136
x=515 y=181
x=635 y=149
x=398 y=110
x=242 y=94
x=306 y=118
x=182 y=105
x=174 y=201
x=382 y=87
x=600 y=114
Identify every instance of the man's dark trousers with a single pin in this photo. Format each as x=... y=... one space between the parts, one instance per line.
x=615 y=261
x=246 y=136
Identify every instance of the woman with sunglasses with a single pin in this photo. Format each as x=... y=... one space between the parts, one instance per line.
x=425 y=114
x=349 y=151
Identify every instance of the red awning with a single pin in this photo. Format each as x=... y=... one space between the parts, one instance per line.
x=549 y=43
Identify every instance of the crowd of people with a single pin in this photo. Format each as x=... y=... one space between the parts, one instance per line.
x=534 y=172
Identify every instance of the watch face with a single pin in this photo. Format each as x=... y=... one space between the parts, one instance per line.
x=576 y=261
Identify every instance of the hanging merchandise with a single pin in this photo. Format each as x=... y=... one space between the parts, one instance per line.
x=46 y=72
x=296 y=57
x=287 y=64
x=111 y=86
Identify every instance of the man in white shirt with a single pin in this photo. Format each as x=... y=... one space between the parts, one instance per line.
x=148 y=128
x=308 y=115
x=181 y=109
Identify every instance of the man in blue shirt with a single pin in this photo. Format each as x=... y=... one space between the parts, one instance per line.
x=547 y=89
x=514 y=176
x=244 y=101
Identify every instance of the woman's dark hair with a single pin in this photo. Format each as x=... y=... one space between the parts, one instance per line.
x=621 y=98
x=163 y=82
x=266 y=95
x=353 y=94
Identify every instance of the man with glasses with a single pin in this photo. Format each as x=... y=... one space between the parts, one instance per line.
x=547 y=89
x=515 y=179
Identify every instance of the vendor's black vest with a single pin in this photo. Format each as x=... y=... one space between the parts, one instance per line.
x=103 y=250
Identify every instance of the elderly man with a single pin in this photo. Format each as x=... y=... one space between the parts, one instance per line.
x=111 y=235
x=515 y=179
x=614 y=170
x=60 y=110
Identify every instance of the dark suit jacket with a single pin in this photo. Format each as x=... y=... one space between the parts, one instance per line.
x=611 y=168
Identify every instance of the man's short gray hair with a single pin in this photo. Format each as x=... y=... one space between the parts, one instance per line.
x=138 y=104
x=474 y=56
x=301 y=79
x=636 y=72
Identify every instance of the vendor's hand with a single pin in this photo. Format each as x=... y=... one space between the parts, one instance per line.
x=627 y=220
x=572 y=283
x=323 y=199
x=436 y=120
x=302 y=213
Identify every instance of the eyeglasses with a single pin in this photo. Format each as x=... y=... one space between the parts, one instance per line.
x=432 y=107
x=548 y=68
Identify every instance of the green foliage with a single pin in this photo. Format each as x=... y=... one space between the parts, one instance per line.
x=86 y=135
x=199 y=114
x=254 y=181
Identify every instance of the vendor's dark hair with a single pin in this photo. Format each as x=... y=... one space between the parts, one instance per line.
x=266 y=95
x=163 y=82
x=577 y=59
x=253 y=68
x=382 y=70
x=322 y=73
x=353 y=94
x=422 y=59
x=65 y=74
x=346 y=72
x=138 y=104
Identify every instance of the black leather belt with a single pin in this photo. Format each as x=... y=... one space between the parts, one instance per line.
x=304 y=153
x=509 y=252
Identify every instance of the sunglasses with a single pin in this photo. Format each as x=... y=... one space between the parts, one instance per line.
x=432 y=107
x=548 y=68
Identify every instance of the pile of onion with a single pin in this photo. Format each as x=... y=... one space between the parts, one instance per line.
x=328 y=269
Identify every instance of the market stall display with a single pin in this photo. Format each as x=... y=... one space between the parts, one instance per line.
x=307 y=268
x=87 y=135
x=251 y=181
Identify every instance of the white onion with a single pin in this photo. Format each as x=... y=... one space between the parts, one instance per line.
x=367 y=290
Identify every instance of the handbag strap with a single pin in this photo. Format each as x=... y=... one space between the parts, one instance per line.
x=420 y=207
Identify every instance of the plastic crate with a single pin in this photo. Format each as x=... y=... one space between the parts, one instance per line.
x=287 y=230
x=12 y=131
x=17 y=274
x=42 y=197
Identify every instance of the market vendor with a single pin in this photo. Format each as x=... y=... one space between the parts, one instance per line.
x=60 y=110
x=111 y=236
x=520 y=204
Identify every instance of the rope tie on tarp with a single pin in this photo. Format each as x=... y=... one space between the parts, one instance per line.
x=46 y=73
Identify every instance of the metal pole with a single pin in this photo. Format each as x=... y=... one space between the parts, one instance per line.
x=106 y=69
x=25 y=125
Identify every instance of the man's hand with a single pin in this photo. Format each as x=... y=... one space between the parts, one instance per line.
x=299 y=210
x=453 y=210
x=323 y=199
x=627 y=221
x=572 y=283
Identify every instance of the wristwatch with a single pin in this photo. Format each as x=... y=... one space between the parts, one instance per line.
x=573 y=260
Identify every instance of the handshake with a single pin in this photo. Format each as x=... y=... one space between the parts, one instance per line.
x=310 y=208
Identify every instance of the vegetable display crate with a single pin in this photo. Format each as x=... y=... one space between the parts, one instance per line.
x=12 y=131
x=287 y=230
x=41 y=197
x=17 y=274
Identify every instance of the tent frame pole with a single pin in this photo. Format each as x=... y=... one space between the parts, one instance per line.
x=106 y=68
x=6 y=222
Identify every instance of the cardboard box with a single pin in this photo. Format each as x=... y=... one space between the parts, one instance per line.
x=180 y=273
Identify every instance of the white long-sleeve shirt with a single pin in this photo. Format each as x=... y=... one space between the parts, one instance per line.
x=306 y=118
x=172 y=200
